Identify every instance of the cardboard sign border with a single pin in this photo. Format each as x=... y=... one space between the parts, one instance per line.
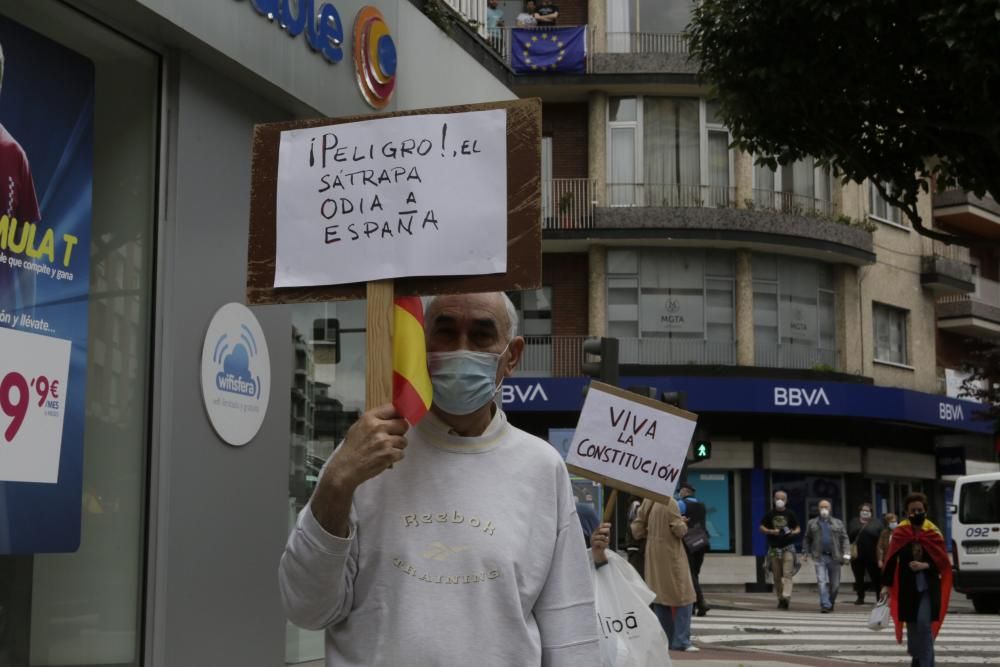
x=524 y=229
x=648 y=402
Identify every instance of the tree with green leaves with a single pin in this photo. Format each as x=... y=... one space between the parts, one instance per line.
x=902 y=92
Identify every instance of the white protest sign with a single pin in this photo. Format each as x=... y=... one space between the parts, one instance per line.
x=631 y=442
x=421 y=195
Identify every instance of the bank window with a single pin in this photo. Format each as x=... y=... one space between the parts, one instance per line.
x=534 y=310
x=671 y=305
x=881 y=210
x=890 y=333
x=793 y=313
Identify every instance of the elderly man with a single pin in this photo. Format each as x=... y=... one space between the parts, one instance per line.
x=826 y=542
x=468 y=550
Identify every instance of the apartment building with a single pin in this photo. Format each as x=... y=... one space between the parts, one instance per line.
x=801 y=317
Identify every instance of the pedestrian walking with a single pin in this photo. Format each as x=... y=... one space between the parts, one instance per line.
x=667 y=570
x=864 y=531
x=826 y=542
x=696 y=541
x=917 y=579
x=889 y=521
x=781 y=526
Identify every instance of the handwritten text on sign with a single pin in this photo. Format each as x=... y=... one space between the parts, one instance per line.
x=392 y=197
x=33 y=390
x=632 y=440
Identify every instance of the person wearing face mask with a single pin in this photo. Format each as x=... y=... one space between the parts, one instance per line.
x=826 y=542
x=891 y=521
x=466 y=550
x=781 y=526
x=917 y=578
x=864 y=531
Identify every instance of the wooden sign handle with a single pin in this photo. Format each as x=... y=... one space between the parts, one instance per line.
x=609 y=507
x=379 y=324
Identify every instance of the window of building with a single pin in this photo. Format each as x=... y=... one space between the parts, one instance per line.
x=881 y=210
x=672 y=305
x=85 y=607
x=890 y=333
x=662 y=17
x=667 y=151
x=796 y=187
x=534 y=310
x=793 y=312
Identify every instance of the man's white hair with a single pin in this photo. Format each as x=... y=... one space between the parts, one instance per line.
x=508 y=305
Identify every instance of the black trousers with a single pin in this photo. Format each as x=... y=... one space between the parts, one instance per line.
x=695 y=562
x=860 y=566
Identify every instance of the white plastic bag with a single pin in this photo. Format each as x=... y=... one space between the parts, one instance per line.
x=879 y=619
x=631 y=635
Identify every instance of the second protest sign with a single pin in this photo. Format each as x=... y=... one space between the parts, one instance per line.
x=631 y=442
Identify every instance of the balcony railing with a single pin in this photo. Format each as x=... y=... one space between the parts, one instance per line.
x=789 y=202
x=987 y=292
x=552 y=356
x=562 y=356
x=787 y=355
x=951 y=251
x=675 y=352
x=567 y=203
x=670 y=195
x=645 y=42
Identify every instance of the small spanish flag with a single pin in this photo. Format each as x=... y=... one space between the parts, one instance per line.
x=411 y=383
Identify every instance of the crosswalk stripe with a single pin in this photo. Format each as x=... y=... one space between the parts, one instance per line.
x=842 y=648
x=871 y=637
x=965 y=639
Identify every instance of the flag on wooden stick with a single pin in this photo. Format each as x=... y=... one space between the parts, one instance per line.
x=411 y=383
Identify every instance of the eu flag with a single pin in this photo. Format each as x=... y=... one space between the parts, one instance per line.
x=549 y=49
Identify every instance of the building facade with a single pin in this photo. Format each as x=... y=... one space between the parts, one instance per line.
x=813 y=331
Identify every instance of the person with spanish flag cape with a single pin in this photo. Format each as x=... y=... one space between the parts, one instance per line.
x=917 y=577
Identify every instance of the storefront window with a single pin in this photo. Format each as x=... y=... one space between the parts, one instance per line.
x=83 y=608
x=714 y=489
x=671 y=305
x=805 y=492
x=328 y=395
x=793 y=313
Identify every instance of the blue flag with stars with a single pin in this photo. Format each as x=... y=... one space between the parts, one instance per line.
x=537 y=50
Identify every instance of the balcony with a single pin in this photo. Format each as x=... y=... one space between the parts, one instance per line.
x=967 y=213
x=670 y=195
x=639 y=53
x=788 y=222
x=976 y=314
x=562 y=356
x=789 y=355
x=947 y=271
x=567 y=203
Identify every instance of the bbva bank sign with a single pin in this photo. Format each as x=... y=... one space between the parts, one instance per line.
x=799 y=396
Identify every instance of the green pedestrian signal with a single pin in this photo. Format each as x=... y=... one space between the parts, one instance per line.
x=702 y=450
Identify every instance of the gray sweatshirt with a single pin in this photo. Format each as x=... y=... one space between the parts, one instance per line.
x=467 y=552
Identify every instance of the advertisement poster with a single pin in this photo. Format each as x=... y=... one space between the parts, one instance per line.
x=46 y=176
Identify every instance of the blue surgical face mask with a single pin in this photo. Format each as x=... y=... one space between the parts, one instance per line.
x=463 y=381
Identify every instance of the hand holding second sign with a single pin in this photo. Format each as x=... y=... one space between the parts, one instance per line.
x=373 y=443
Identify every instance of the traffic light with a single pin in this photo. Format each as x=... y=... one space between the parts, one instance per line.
x=702 y=447
x=605 y=368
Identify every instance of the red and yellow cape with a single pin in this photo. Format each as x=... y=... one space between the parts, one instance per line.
x=932 y=541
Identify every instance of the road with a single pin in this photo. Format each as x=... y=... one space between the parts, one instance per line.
x=965 y=639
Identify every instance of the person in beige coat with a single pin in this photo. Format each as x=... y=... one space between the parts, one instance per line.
x=667 y=572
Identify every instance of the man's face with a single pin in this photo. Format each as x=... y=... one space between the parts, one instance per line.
x=782 y=496
x=474 y=322
x=529 y=7
x=492 y=4
x=824 y=506
x=684 y=492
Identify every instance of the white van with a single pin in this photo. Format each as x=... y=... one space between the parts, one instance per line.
x=975 y=540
